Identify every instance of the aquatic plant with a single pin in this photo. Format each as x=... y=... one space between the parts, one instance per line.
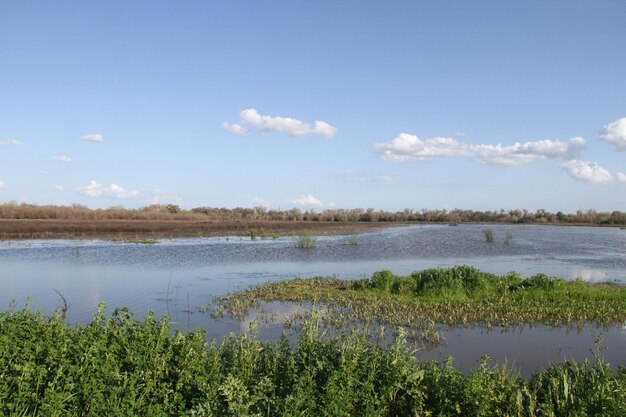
x=490 y=235
x=460 y=296
x=306 y=241
x=508 y=239
x=124 y=366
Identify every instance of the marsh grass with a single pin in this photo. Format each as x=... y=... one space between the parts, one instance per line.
x=490 y=235
x=306 y=241
x=508 y=239
x=459 y=296
x=123 y=366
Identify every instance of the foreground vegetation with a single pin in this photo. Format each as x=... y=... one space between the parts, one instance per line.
x=122 y=366
x=461 y=296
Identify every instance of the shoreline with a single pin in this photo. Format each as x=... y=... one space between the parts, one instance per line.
x=26 y=229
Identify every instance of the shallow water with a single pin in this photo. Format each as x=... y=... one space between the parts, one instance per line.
x=176 y=276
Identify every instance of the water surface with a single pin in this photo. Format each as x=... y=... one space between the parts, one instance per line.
x=176 y=276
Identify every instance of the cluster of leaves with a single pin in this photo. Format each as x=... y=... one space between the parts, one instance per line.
x=122 y=366
x=461 y=295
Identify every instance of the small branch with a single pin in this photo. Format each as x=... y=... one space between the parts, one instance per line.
x=66 y=305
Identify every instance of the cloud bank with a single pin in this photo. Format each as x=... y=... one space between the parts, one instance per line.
x=410 y=148
x=615 y=134
x=92 y=138
x=307 y=200
x=251 y=120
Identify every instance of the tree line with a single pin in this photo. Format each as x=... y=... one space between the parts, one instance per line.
x=238 y=214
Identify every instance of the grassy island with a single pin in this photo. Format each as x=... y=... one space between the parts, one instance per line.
x=459 y=296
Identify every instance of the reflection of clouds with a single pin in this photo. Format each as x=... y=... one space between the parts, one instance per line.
x=589 y=275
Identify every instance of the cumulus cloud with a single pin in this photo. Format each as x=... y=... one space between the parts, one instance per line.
x=410 y=148
x=621 y=177
x=307 y=200
x=234 y=128
x=10 y=142
x=95 y=189
x=93 y=137
x=2 y=185
x=261 y=202
x=63 y=159
x=587 y=172
x=360 y=177
x=615 y=134
x=250 y=119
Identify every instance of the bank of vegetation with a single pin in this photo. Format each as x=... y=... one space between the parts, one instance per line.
x=122 y=366
x=459 y=296
x=14 y=211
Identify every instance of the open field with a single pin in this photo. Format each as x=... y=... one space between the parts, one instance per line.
x=163 y=229
x=123 y=366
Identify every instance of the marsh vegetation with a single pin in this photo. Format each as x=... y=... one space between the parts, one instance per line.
x=124 y=366
x=459 y=296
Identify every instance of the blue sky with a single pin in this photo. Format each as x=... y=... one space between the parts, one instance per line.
x=389 y=105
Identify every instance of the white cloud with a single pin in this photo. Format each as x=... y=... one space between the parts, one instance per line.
x=234 y=128
x=11 y=142
x=307 y=200
x=95 y=189
x=587 y=171
x=409 y=148
x=63 y=159
x=621 y=177
x=360 y=177
x=58 y=188
x=331 y=204
x=260 y=202
x=159 y=197
x=2 y=185
x=93 y=137
x=250 y=119
x=615 y=134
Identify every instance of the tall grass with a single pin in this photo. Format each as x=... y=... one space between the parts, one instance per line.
x=122 y=366
x=306 y=241
x=490 y=235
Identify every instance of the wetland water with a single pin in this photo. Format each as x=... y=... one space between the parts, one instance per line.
x=176 y=276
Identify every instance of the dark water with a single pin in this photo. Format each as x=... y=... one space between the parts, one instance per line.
x=176 y=276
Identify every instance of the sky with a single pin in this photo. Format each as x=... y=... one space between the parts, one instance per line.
x=316 y=105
